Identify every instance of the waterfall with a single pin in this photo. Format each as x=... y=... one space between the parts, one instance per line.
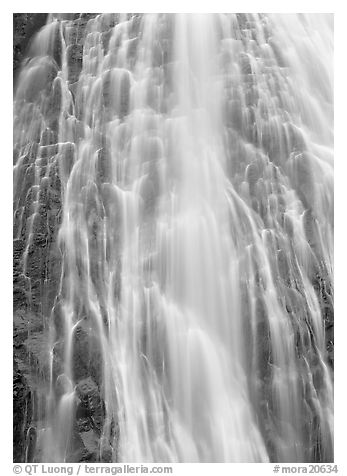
x=173 y=217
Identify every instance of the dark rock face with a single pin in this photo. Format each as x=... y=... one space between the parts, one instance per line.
x=22 y=413
x=29 y=361
x=37 y=258
x=91 y=405
x=74 y=58
x=25 y=25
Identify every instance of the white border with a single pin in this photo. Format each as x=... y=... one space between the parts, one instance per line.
x=340 y=200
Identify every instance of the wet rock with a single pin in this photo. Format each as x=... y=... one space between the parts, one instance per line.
x=22 y=413
x=29 y=180
x=91 y=201
x=39 y=228
x=52 y=108
x=66 y=160
x=38 y=352
x=104 y=165
x=300 y=169
x=135 y=24
x=296 y=138
x=25 y=25
x=54 y=190
x=91 y=406
x=36 y=79
x=245 y=63
x=124 y=102
x=251 y=96
x=26 y=322
x=86 y=358
x=95 y=448
x=91 y=441
x=107 y=21
x=149 y=193
x=105 y=451
x=48 y=137
x=111 y=202
x=330 y=347
x=311 y=230
x=277 y=51
x=83 y=419
x=74 y=54
x=20 y=294
x=273 y=203
x=132 y=47
x=253 y=173
x=78 y=451
x=234 y=115
x=56 y=48
x=295 y=302
x=105 y=39
x=263 y=342
x=283 y=262
x=18 y=248
x=30 y=444
x=116 y=92
x=288 y=225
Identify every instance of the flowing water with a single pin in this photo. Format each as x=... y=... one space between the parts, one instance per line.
x=193 y=158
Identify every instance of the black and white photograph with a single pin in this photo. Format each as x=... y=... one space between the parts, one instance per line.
x=173 y=239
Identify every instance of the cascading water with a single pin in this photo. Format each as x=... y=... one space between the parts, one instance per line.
x=175 y=173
